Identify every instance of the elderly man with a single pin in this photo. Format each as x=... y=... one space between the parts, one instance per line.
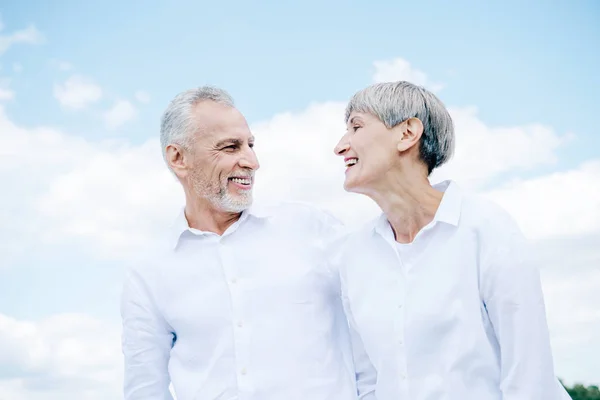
x=240 y=304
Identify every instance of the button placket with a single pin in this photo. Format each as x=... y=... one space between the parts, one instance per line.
x=399 y=332
x=399 y=318
x=238 y=318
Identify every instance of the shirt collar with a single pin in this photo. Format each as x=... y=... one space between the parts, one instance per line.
x=449 y=209
x=447 y=212
x=181 y=225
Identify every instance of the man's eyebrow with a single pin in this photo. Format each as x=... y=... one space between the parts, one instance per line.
x=353 y=118
x=229 y=141
x=233 y=141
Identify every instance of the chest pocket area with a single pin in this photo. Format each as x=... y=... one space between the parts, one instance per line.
x=288 y=274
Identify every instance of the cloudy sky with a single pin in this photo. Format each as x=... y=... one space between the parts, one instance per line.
x=82 y=87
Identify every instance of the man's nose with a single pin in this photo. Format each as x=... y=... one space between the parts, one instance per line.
x=249 y=160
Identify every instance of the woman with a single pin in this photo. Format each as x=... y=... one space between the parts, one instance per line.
x=439 y=292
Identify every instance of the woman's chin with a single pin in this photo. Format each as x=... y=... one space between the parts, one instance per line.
x=350 y=186
x=358 y=187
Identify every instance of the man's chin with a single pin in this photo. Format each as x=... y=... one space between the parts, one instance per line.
x=236 y=203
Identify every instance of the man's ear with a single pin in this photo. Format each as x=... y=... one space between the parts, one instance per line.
x=411 y=131
x=177 y=159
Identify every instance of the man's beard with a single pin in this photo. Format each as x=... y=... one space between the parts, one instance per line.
x=217 y=193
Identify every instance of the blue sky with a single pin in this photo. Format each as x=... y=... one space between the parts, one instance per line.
x=518 y=63
x=521 y=80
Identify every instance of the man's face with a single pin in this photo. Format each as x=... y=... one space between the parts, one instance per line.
x=222 y=157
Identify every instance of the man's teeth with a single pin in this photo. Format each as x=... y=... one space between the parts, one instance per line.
x=351 y=162
x=243 y=181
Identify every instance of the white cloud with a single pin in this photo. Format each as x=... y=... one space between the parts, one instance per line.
x=142 y=96
x=50 y=153
x=61 y=357
x=107 y=196
x=64 y=66
x=6 y=94
x=399 y=69
x=28 y=35
x=77 y=92
x=61 y=65
x=483 y=152
x=560 y=204
x=120 y=113
x=571 y=279
x=132 y=195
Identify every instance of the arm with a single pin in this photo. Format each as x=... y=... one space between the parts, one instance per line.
x=333 y=235
x=513 y=297
x=366 y=375
x=146 y=343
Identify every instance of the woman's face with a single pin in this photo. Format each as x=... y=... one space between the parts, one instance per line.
x=370 y=151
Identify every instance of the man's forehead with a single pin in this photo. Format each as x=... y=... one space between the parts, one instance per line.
x=213 y=119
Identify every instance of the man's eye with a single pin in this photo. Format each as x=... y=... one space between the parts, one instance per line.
x=355 y=128
x=230 y=147
x=251 y=145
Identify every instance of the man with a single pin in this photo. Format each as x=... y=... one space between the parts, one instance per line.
x=241 y=305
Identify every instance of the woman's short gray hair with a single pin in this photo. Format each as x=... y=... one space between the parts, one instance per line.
x=177 y=121
x=395 y=102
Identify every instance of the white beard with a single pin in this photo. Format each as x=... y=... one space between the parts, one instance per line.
x=219 y=196
x=235 y=204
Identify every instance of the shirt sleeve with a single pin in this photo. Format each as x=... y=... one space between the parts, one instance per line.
x=364 y=372
x=146 y=343
x=513 y=297
x=330 y=233
x=333 y=234
x=366 y=375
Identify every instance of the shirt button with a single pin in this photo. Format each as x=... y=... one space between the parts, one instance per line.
x=400 y=342
x=234 y=280
x=240 y=324
x=402 y=376
x=243 y=371
x=399 y=305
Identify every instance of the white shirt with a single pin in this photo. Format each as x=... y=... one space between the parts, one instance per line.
x=254 y=314
x=457 y=314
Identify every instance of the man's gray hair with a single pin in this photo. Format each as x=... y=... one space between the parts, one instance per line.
x=395 y=102
x=177 y=123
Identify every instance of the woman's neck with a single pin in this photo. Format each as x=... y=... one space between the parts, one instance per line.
x=408 y=203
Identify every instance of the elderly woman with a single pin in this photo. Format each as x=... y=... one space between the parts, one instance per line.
x=440 y=294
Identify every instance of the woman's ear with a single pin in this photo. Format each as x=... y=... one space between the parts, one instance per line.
x=411 y=131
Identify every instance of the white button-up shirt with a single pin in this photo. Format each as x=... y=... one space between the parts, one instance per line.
x=254 y=314
x=457 y=314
